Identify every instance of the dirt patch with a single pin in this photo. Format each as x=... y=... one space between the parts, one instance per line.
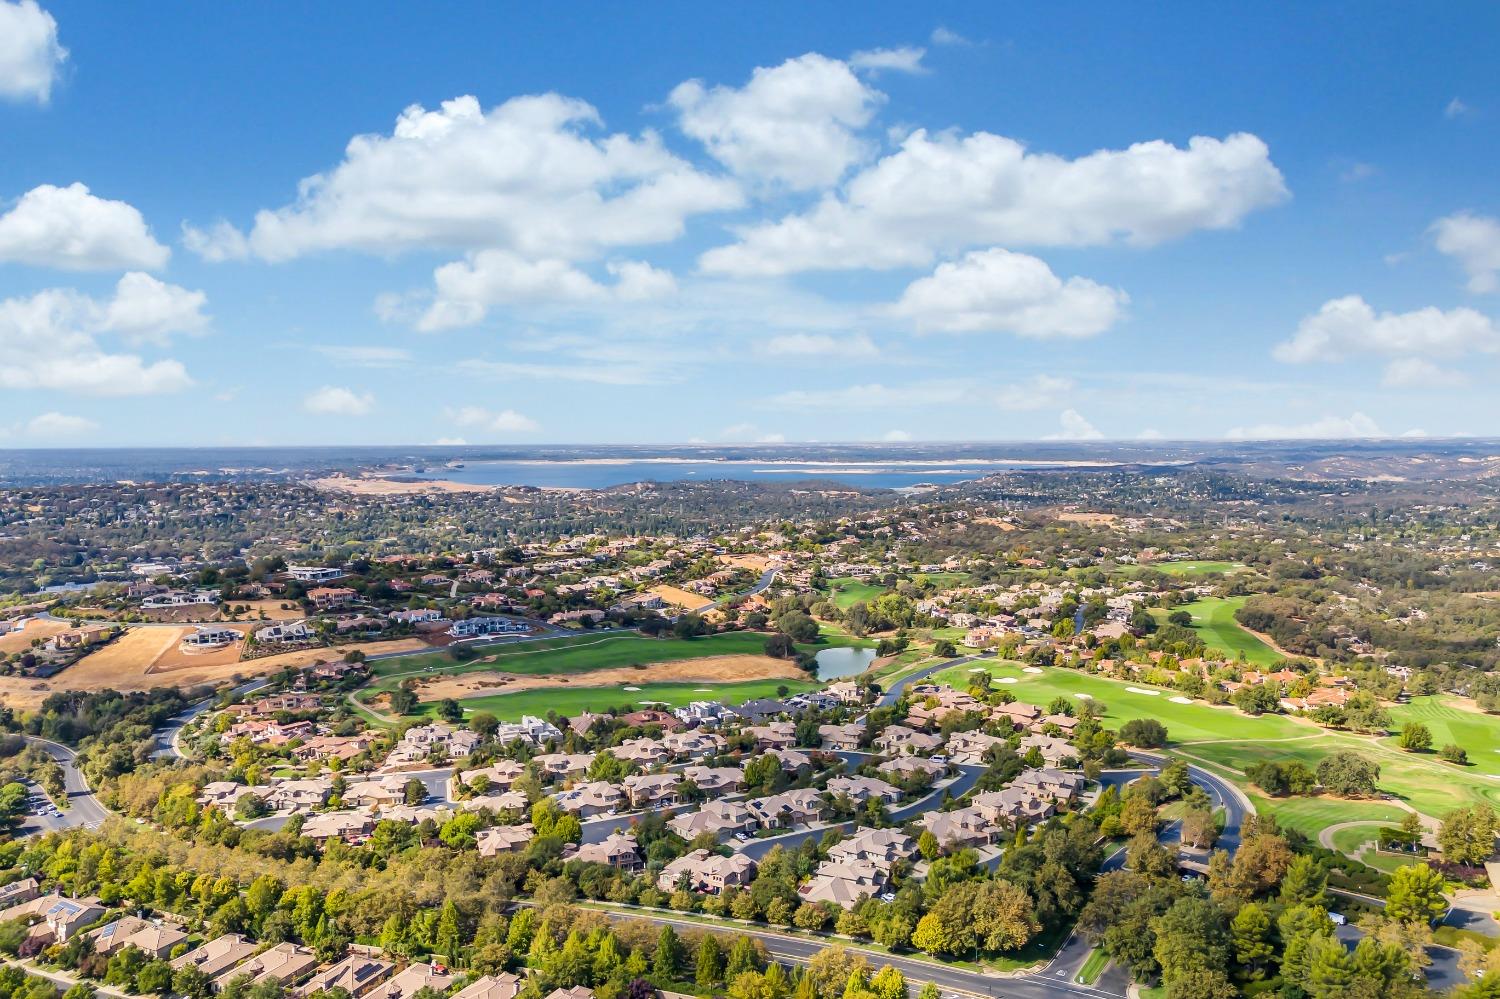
x=710 y=669
x=1004 y=526
x=679 y=597
x=143 y=658
x=755 y=563
x=20 y=641
x=271 y=608
x=1094 y=519
x=391 y=487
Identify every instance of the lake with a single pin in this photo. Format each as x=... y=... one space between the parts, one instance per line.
x=836 y=663
x=586 y=474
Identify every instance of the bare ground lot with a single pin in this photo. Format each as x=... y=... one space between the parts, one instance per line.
x=20 y=641
x=149 y=657
x=711 y=669
x=1092 y=519
x=679 y=597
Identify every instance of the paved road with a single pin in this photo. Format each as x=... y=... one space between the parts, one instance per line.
x=766 y=578
x=954 y=981
x=893 y=693
x=83 y=808
x=968 y=776
x=168 y=737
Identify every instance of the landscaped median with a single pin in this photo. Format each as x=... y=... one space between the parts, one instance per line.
x=1044 y=946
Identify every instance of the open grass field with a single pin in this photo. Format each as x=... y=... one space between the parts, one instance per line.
x=1196 y=568
x=1185 y=722
x=1230 y=741
x=1310 y=816
x=572 y=700
x=1449 y=721
x=579 y=654
x=848 y=591
x=1213 y=619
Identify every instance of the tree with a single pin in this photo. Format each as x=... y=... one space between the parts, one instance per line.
x=1250 y=931
x=1415 y=895
x=1456 y=754
x=1416 y=737
x=403 y=701
x=709 y=965
x=1144 y=733
x=414 y=791
x=666 y=963
x=1467 y=835
x=1304 y=882
x=1348 y=774
x=1191 y=936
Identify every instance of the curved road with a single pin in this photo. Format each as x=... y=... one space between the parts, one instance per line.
x=83 y=808
x=893 y=693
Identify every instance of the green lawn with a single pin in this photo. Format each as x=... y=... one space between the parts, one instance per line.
x=1199 y=568
x=1094 y=966
x=578 y=655
x=1477 y=732
x=846 y=591
x=569 y=701
x=1311 y=816
x=1185 y=722
x=1213 y=620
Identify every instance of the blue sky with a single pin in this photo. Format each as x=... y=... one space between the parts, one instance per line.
x=672 y=222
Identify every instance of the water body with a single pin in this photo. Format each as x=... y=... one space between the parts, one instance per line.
x=834 y=664
x=603 y=474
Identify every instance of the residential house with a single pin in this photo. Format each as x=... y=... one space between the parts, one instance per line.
x=788 y=809
x=154 y=939
x=286 y=964
x=349 y=826
x=722 y=818
x=217 y=956
x=59 y=918
x=707 y=872
x=716 y=780
x=652 y=790
x=505 y=839
x=501 y=986
x=591 y=798
x=775 y=735
x=412 y=979
x=862 y=789
x=898 y=740
x=355 y=974
x=616 y=850
x=971 y=747
x=842 y=737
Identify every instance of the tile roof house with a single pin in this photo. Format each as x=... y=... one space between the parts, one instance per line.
x=970 y=747
x=217 y=955
x=505 y=839
x=591 y=798
x=882 y=847
x=652 y=790
x=616 y=850
x=845 y=737
x=60 y=917
x=414 y=977
x=286 y=964
x=898 y=740
x=715 y=779
x=131 y=931
x=862 y=789
x=501 y=986
x=707 y=872
x=722 y=818
x=355 y=974
x=787 y=809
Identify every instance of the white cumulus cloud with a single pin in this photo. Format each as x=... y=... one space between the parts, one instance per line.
x=1474 y=241
x=30 y=56
x=855 y=347
x=942 y=192
x=52 y=339
x=71 y=229
x=1075 y=427
x=997 y=291
x=1037 y=392
x=1324 y=428
x=335 y=400
x=54 y=424
x=1348 y=327
x=795 y=124
x=506 y=421
x=530 y=176
x=904 y=59
x=466 y=290
x=896 y=436
x=1418 y=372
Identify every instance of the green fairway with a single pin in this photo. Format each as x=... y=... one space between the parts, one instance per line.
x=569 y=701
x=1310 y=816
x=847 y=591
x=1213 y=620
x=1195 y=568
x=1185 y=722
x=1475 y=731
x=579 y=655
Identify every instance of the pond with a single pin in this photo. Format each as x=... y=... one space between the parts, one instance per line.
x=841 y=662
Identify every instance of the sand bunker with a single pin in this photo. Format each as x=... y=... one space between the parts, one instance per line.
x=1008 y=679
x=1031 y=669
x=1084 y=697
x=1180 y=700
x=709 y=669
x=1141 y=690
